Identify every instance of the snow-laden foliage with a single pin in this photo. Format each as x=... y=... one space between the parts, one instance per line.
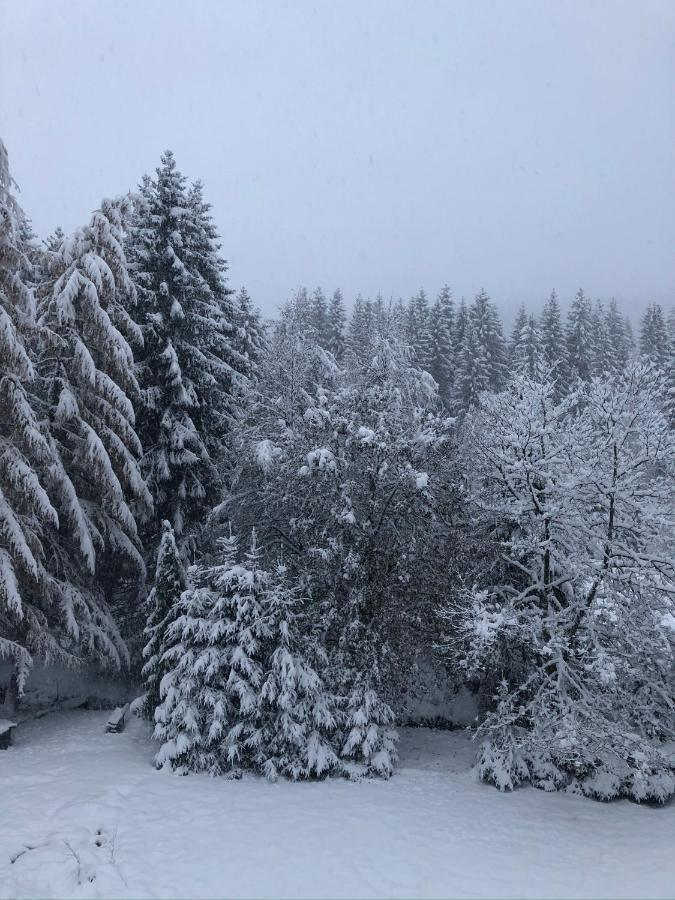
x=69 y=480
x=195 y=350
x=347 y=476
x=87 y=382
x=576 y=622
x=25 y=506
x=162 y=603
x=241 y=690
x=194 y=715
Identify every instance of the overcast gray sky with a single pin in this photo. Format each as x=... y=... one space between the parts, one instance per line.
x=373 y=145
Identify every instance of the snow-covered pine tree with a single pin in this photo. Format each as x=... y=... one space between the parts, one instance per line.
x=370 y=739
x=441 y=329
x=620 y=339
x=25 y=507
x=337 y=318
x=359 y=344
x=195 y=713
x=472 y=375
x=527 y=354
x=517 y=332
x=162 y=605
x=579 y=338
x=87 y=383
x=250 y=341
x=299 y=717
x=553 y=344
x=602 y=349
x=320 y=325
x=246 y=632
x=381 y=323
x=489 y=337
x=418 y=334
x=291 y=369
x=190 y=362
x=654 y=342
x=670 y=372
x=222 y=366
x=399 y=320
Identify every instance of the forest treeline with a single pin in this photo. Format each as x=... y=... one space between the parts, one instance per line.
x=279 y=526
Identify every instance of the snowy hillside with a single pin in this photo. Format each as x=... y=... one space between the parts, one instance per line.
x=102 y=822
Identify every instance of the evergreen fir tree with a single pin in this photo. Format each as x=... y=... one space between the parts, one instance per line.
x=620 y=339
x=381 y=324
x=298 y=713
x=246 y=633
x=195 y=712
x=553 y=343
x=399 y=320
x=489 y=337
x=527 y=353
x=602 y=349
x=190 y=364
x=320 y=325
x=418 y=332
x=371 y=738
x=441 y=328
x=579 y=338
x=654 y=343
x=337 y=318
x=461 y=321
x=517 y=333
x=87 y=384
x=670 y=371
x=471 y=372
x=250 y=342
x=25 y=455
x=162 y=605
x=359 y=335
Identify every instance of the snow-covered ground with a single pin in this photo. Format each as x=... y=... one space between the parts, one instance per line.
x=83 y=814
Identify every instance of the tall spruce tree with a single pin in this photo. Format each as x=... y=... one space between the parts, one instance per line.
x=489 y=337
x=579 y=338
x=527 y=354
x=190 y=363
x=359 y=333
x=471 y=371
x=299 y=716
x=162 y=605
x=441 y=328
x=25 y=455
x=654 y=342
x=337 y=318
x=553 y=344
x=602 y=348
x=620 y=339
x=250 y=341
x=418 y=331
x=517 y=332
x=320 y=326
x=87 y=384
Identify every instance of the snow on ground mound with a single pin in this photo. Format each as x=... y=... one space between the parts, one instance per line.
x=84 y=814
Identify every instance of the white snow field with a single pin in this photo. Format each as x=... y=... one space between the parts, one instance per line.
x=84 y=814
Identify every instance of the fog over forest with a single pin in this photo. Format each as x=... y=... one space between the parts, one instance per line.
x=377 y=147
